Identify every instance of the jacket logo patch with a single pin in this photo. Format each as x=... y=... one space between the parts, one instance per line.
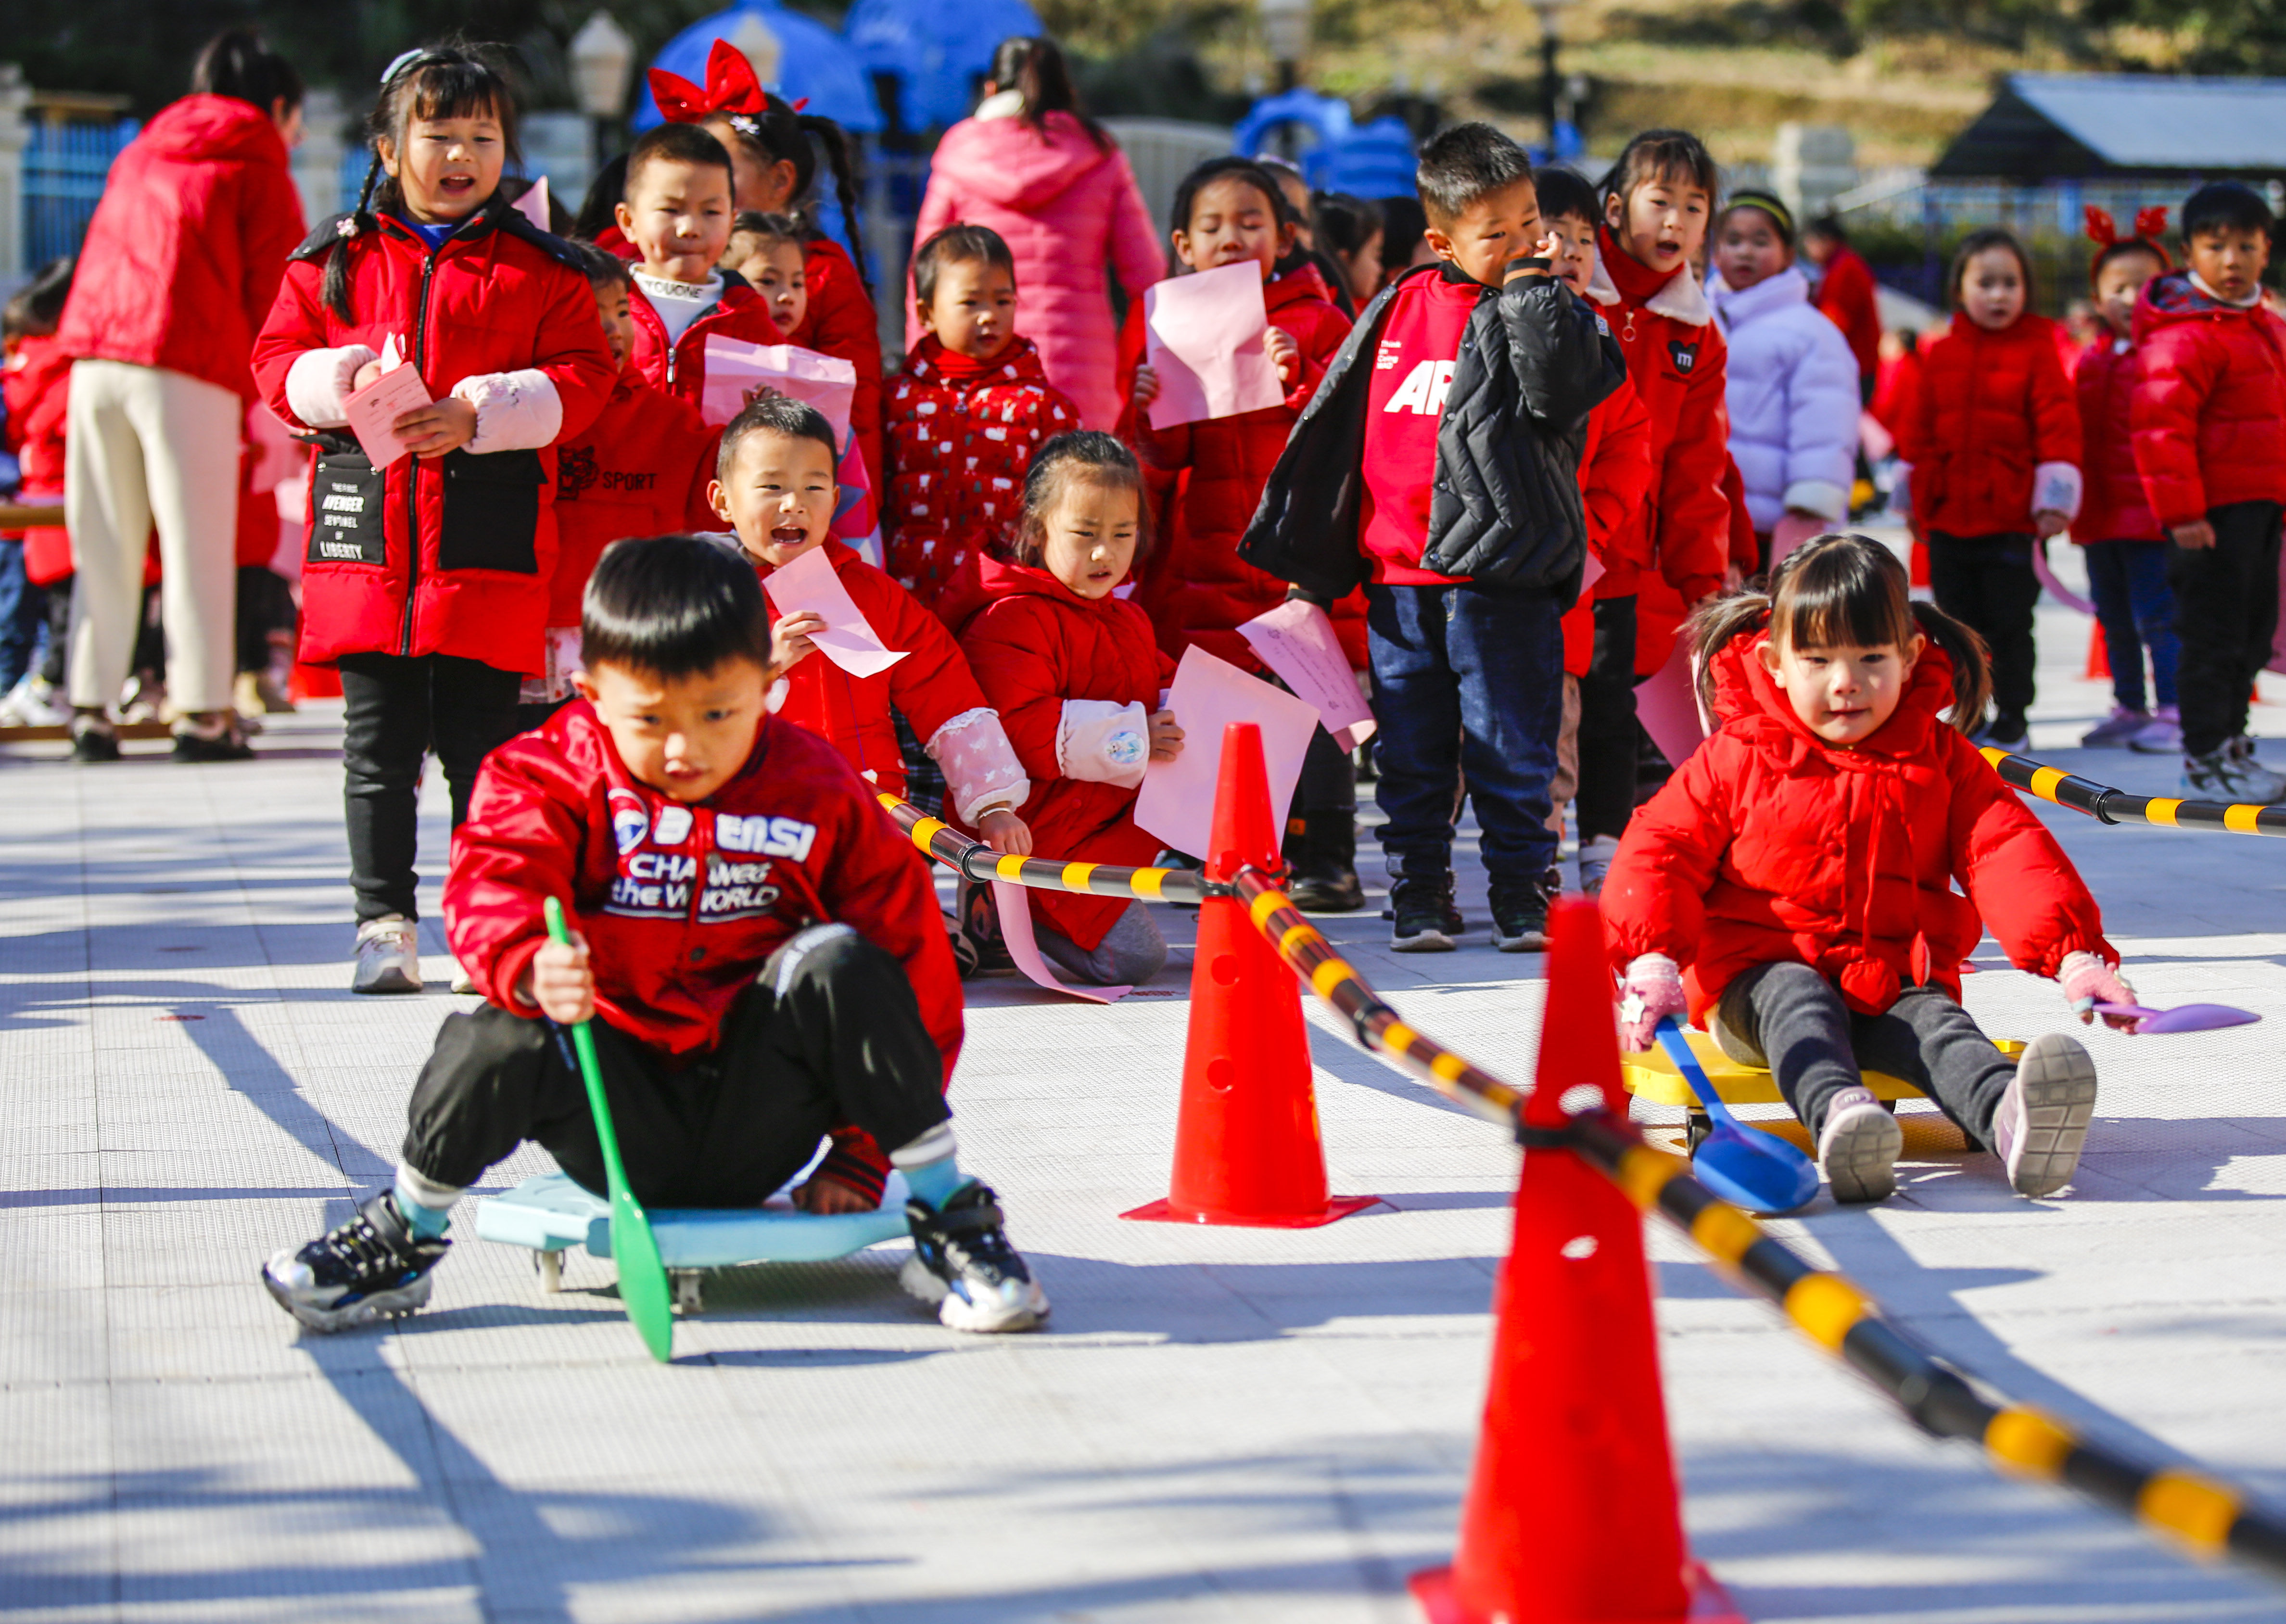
x=575 y=471
x=1392 y=351
x=629 y=821
x=1424 y=390
x=1684 y=356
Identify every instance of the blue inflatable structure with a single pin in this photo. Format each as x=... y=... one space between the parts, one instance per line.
x=936 y=51
x=1375 y=160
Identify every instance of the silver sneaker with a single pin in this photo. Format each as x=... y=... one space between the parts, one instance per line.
x=1858 y=1147
x=2163 y=735
x=2116 y=731
x=2042 y=1120
x=388 y=956
x=1595 y=863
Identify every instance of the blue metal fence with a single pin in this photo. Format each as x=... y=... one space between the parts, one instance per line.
x=64 y=170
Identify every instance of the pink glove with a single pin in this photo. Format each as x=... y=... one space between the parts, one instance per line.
x=1652 y=991
x=2087 y=982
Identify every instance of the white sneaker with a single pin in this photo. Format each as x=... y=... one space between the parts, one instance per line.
x=1858 y=1147
x=2256 y=782
x=388 y=956
x=2042 y=1120
x=34 y=703
x=1595 y=863
x=2115 y=730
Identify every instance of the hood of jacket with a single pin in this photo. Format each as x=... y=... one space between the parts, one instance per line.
x=2173 y=298
x=1304 y=281
x=1749 y=701
x=1002 y=577
x=214 y=127
x=1734 y=307
x=1017 y=166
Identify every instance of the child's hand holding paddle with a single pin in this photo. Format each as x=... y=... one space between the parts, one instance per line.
x=560 y=981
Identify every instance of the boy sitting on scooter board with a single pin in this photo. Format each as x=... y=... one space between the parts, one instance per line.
x=768 y=962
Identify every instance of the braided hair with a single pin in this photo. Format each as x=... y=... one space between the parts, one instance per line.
x=778 y=134
x=453 y=79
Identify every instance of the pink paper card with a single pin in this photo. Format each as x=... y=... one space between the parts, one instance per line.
x=1591 y=574
x=1014 y=904
x=734 y=367
x=1177 y=802
x=1296 y=639
x=1666 y=704
x=1204 y=334
x=533 y=205
x=810 y=582
x=381 y=403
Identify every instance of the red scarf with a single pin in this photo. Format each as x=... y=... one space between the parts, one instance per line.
x=933 y=363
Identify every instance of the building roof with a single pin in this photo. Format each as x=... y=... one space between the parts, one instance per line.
x=2084 y=126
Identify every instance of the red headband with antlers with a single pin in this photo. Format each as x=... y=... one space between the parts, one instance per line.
x=730 y=88
x=2150 y=225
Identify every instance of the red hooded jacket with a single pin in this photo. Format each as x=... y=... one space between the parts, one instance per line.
x=1992 y=408
x=1850 y=298
x=961 y=434
x=1615 y=474
x=182 y=256
x=461 y=561
x=1200 y=591
x=1035 y=645
x=37 y=384
x=1770 y=845
x=2209 y=412
x=679 y=369
x=840 y=321
x=1677 y=362
x=2114 y=506
x=641 y=468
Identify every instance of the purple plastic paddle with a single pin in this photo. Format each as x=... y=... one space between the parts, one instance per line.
x=2182 y=1018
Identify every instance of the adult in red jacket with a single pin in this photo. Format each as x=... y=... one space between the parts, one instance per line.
x=176 y=276
x=1034 y=167
x=1847 y=294
x=961 y=433
x=1054 y=664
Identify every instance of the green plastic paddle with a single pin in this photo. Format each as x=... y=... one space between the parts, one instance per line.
x=642 y=1277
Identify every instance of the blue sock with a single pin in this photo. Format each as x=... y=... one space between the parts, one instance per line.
x=935 y=1182
x=427 y=1223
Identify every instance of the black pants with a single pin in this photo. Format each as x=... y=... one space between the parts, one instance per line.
x=396 y=710
x=1607 y=724
x=828 y=1033
x=1987 y=583
x=2226 y=613
x=265 y=604
x=1815 y=1045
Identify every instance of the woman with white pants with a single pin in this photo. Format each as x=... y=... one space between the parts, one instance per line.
x=181 y=263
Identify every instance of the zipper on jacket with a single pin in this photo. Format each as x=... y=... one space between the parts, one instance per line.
x=413 y=474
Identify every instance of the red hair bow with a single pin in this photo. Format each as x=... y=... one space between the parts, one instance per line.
x=2150 y=225
x=731 y=87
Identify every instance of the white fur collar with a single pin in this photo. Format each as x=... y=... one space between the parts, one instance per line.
x=1681 y=300
x=1600 y=288
x=1004 y=104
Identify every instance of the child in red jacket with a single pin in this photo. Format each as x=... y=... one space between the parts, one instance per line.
x=2209 y=420
x=35 y=377
x=642 y=469
x=1658 y=202
x=757 y=947
x=1994 y=444
x=426 y=581
x=1231 y=211
x=1079 y=680
x=1800 y=869
x=2125 y=548
x=677 y=214
x=965 y=415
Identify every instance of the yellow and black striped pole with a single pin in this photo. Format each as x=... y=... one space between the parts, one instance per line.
x=2197 y=1513
x=2106 y=805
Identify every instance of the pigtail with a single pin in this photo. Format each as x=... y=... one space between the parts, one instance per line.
x=336 y=288
x=836 y=142
x=1713 y=624
x=1972 y=669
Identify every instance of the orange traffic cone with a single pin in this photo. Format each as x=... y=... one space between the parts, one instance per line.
x=1571 y=1515
x=1246 y=1139
x=2099 y=654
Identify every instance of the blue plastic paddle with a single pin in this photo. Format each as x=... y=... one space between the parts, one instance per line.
x=1745 y=1166
x=642 y=1278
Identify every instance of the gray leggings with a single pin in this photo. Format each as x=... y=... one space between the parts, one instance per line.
x=1131 y=951
x=1790 y=1018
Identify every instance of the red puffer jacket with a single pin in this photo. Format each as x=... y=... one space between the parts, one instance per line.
x=1991 y=410
x=2209 y=412
x=461 y=560
x=841 y=321
x=641 y=468
x=1201 y=591
x=1677 y=364
x=961 y=434
x=931 y=685
x=680 y=369
x=1615 y=474
x=182 y=256
x=1036 y=646
x=2114 y=506
x=1850 y=299
x=37 y=384
x=1770 y=845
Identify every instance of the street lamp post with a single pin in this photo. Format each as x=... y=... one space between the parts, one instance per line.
x=601 y=55
x=1286 y=30
x=1551 y=78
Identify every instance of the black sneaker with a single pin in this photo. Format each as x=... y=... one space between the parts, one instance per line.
x=1337 y=892
x=963 y=1263
x=1520 y=918
x=373 y=1267
x=227 y=744
x=980 y=925
x=93 y=744
x=1425 y=918
x=1320 y=852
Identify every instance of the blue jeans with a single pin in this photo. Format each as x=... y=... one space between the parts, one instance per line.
x=23 y=613
x=1467 y=681
x=2137 y=612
